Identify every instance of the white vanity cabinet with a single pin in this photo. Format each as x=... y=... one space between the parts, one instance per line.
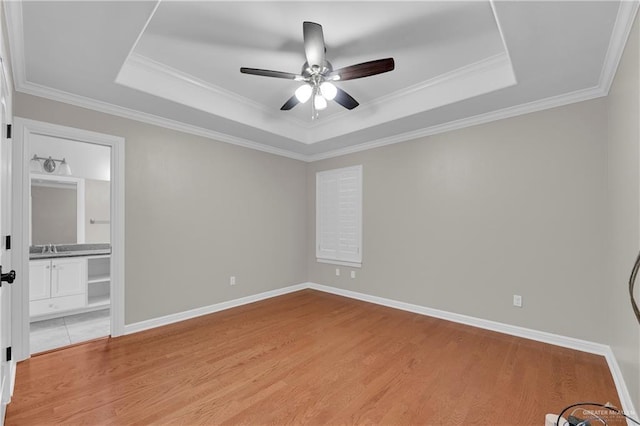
x=57 y=285
x=67 y=286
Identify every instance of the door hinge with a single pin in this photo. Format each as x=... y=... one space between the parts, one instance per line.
x=7 y=242
x=9 y=353
x=8 y=131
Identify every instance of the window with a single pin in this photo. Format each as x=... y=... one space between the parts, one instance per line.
x=339 y=216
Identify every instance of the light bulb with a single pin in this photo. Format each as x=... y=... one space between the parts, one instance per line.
x=303 y=93
x=319 y=102
x=328 y=90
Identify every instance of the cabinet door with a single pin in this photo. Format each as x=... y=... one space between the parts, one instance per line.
x=39 y=279
x=68 y=276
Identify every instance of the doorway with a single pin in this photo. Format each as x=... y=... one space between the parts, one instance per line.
x=69 y=242
x=69 y=238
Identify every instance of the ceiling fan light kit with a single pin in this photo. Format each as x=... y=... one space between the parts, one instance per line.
x=303 y=93
x=319 y=75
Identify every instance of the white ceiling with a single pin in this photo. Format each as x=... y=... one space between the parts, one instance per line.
x=176 y=64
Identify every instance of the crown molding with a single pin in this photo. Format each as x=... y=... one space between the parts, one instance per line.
x=621 y=30
x=229 y=96
x=105 y=107
x=539 y=105
x=619 y=36
x=15 y=32
x=145 y=74
x=448 y=80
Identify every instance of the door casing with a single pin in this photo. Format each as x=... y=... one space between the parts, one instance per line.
x=23 y=129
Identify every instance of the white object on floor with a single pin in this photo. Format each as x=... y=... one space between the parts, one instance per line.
x=551 y=420
x=59 y=332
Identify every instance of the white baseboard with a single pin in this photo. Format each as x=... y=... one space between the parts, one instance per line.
x=13 y=370
x=193 y=313
x=513 y=330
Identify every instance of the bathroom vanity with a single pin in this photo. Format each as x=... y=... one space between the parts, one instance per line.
x=70 y=281
x=68 y=274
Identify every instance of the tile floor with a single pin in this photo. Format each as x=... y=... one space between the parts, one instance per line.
x=64 y=331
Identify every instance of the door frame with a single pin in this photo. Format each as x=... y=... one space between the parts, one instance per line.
x=22 y=130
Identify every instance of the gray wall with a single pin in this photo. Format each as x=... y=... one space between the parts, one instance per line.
x=464 y=220
x=197 y=211
x=624 y=215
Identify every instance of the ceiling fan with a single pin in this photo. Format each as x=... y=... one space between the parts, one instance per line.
x=318 y=75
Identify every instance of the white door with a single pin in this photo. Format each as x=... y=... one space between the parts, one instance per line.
x=7 y=366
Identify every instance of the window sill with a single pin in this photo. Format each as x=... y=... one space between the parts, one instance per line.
x=340 y=262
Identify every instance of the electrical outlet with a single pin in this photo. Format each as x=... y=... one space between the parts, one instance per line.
x=337 y=272
x=353 y=274
x=232 y=280
x=517 y=300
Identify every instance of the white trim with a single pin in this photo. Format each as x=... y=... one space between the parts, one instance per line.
x=619 y=36
x=534 y=106
x=15 y=32
x=13 y=369
x=158 y=79
x=23 y=128
x=513 y=330
x=479 y=78
x=620 y=33
x=107 y=108
x=502 y=37
x=482 y=77
x=205 y=310
x=144 y=28
x=621 y=386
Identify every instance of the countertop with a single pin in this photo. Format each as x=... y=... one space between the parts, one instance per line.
x=69 y=250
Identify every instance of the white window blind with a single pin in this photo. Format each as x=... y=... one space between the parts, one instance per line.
x=339 y=215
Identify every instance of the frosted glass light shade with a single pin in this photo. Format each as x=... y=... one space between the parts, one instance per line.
x=319 y=102
x=303 y=93
x=328 y=90
x=35 y=165
x=64 y=168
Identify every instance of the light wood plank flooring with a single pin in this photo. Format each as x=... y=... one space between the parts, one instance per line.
x=308 y=357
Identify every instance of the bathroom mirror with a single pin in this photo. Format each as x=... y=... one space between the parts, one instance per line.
x=57 y=210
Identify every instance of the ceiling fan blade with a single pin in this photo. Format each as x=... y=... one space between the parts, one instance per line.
x=293 y=101
x=269 y=73
x=364 y=69
x=345 y=99
x=313 y=44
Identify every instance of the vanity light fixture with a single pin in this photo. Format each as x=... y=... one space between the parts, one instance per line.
x=48 y=164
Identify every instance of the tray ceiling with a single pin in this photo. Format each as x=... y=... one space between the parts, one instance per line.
x=177 y=64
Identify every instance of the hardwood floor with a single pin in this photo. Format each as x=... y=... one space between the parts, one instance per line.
x=308 y=357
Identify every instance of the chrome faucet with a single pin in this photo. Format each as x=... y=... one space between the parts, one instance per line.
x=49 y=248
